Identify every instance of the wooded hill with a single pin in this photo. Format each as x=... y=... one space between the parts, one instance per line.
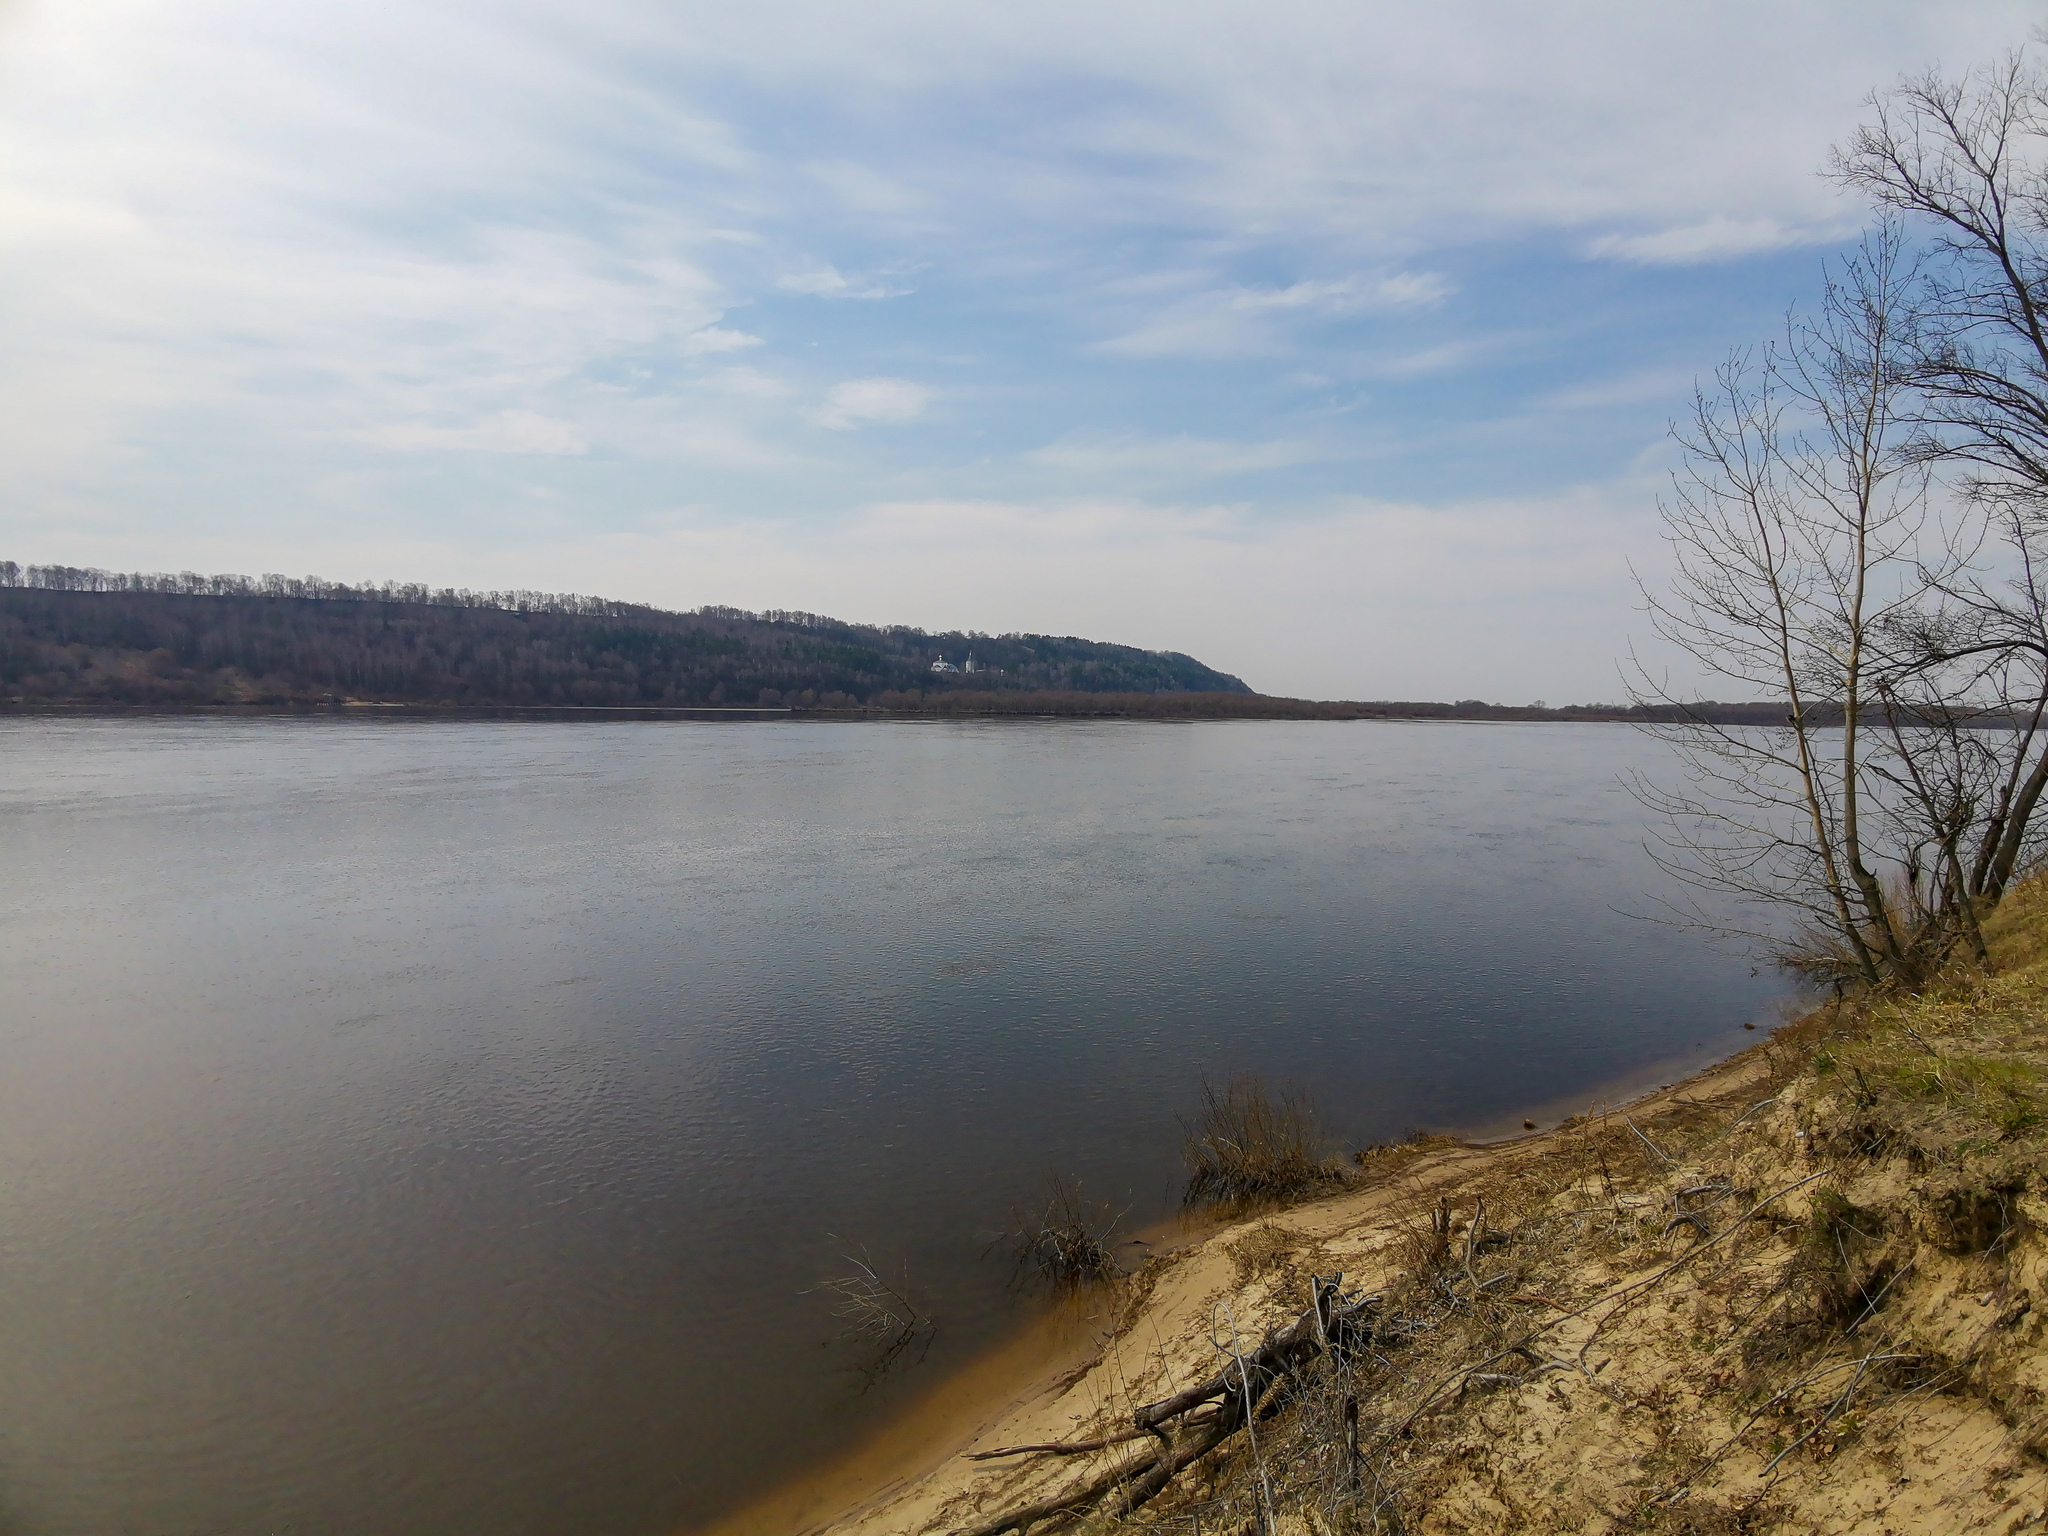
x=72 y=636
x=69 y=635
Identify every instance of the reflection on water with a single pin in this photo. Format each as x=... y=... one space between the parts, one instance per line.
x=418 y=1127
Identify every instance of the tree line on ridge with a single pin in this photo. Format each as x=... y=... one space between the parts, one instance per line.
x=76 y=635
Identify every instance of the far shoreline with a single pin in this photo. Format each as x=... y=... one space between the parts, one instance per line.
x=1283 y=711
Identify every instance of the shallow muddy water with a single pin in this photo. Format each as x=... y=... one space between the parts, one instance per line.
x=425 y=1127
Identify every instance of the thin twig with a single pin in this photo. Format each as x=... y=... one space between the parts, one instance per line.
x=1659 y=1151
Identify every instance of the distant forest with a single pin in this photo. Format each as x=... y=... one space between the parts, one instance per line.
x=73 y=635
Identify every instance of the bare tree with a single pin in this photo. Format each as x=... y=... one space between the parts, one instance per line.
x=1800 y=527
x=1962 y=159
x=1903 y=795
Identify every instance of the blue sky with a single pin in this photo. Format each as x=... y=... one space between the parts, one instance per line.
x=1331 y=342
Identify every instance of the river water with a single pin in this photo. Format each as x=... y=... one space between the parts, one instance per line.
x=427 y=1127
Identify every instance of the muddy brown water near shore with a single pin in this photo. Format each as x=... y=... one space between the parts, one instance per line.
x=416 y=1126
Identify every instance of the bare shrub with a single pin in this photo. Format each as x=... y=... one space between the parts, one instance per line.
x=1070 y=1240
x=1247 y=1148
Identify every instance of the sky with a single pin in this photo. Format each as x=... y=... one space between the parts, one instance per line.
x=1334 y=342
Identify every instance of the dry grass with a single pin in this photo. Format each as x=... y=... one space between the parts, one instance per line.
x=1261 y=1251
x=1247 y=1149
x=878 y=1316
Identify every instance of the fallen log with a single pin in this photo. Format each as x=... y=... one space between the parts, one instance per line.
x=1170 y=1465
x=1072 y=1501
x=1242 y=1385
x=1064 y=1447
x=1072 y=1447
x=1140 y=1480
x=1327 y=1318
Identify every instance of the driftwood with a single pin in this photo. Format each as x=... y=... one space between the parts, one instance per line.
x=1329 y=1315
x=1198 y=1444
x=1132 y=1483
x=1072 y=1501
x=1064 y=1447
x=1239 y=1391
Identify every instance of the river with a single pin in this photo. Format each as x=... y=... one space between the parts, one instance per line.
x=418 y=1127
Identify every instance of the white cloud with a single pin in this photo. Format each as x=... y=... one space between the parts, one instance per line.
x=1638 y=385
x=507 y=432
x=1417 y=290
x=1127 y=456
x=715 y=338
x=862 y=187
x=1374 y=128
x=1720 y=239
x=1237 y=320
x=1404 y=290
x=1442 y=358
x=656 y=434
x=749 y=382
x=857 y=401
x=220 y=221
x=828 y=282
